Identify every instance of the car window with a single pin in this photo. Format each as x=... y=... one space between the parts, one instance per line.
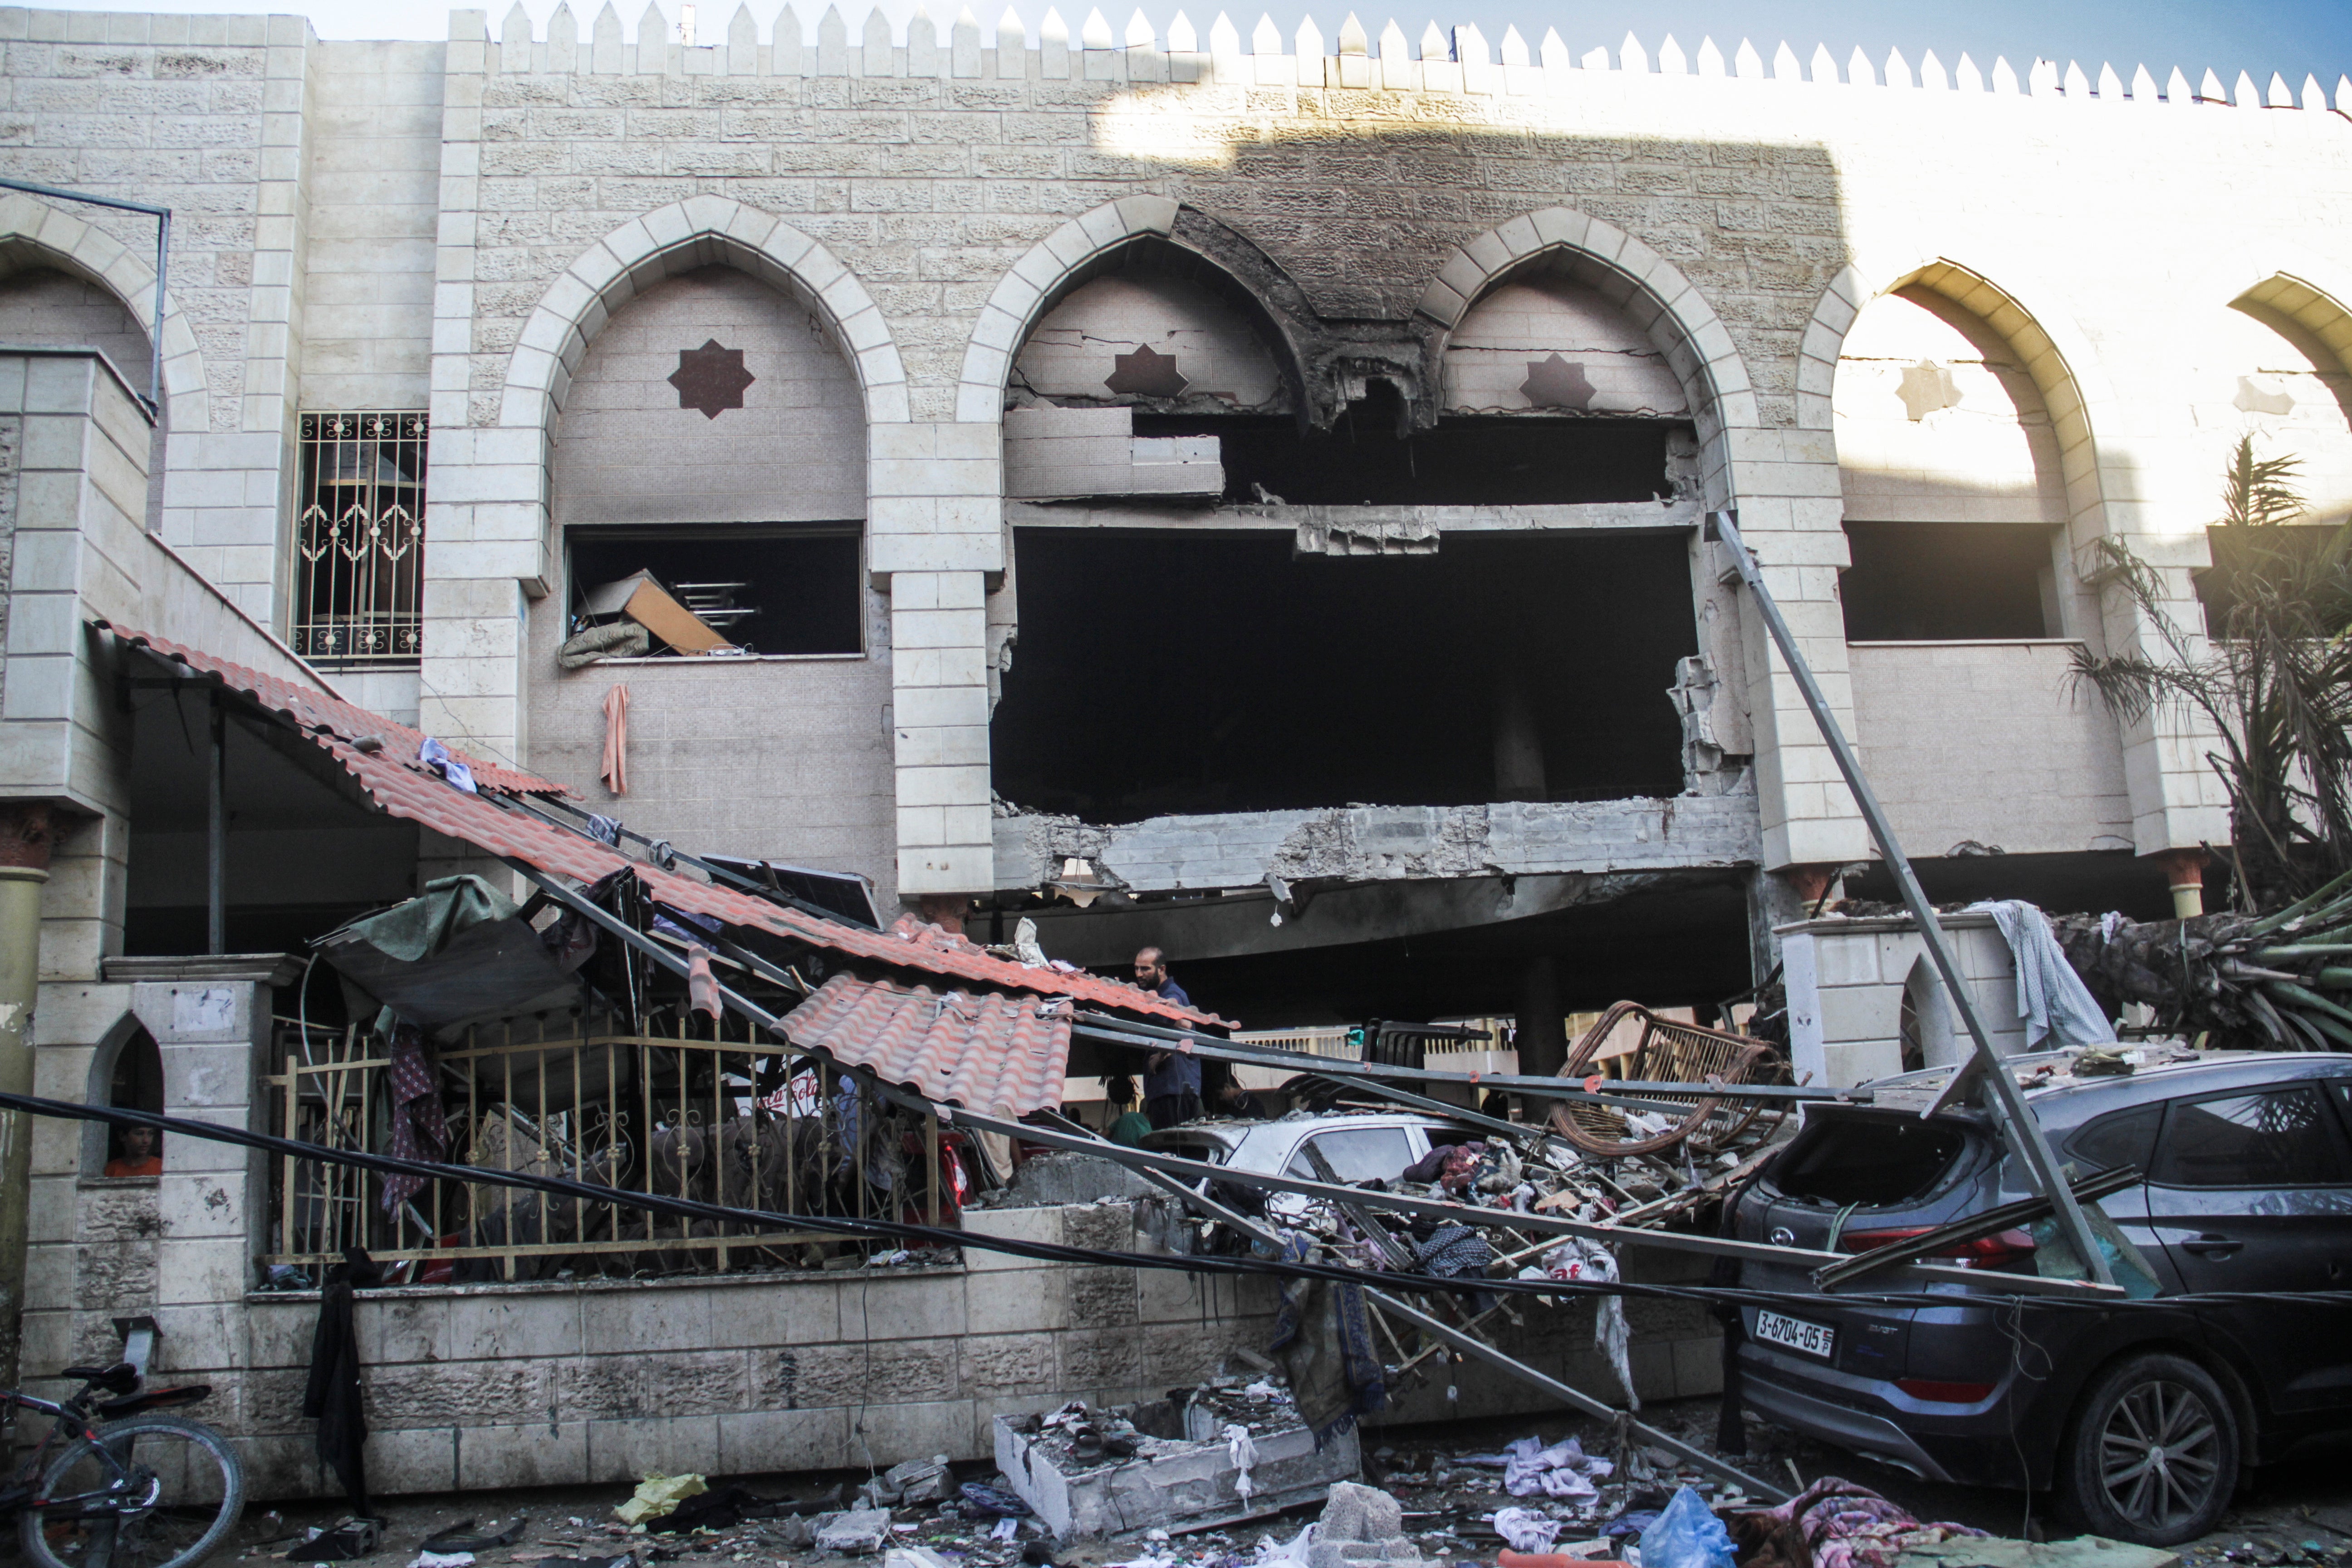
x=1356 y=1154
x=2124 y=1138
x=1447 y=1137
x=1208 y=1150
x=2279 y=1137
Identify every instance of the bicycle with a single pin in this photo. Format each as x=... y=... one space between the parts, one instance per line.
x=130 y=1488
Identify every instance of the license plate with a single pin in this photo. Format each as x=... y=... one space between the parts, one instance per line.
x=1794 y=1334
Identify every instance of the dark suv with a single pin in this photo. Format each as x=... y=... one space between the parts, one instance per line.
x=2141 y=1418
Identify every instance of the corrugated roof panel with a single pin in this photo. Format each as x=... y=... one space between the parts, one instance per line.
x=401 y=786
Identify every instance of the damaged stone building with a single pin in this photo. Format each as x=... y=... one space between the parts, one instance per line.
x=1230 y=491
x=1242 y=497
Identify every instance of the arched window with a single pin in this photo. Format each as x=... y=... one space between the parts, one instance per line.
x=134 y=1081
x=1925 y=1021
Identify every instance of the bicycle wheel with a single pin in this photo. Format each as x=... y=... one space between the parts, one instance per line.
x=152 y=1491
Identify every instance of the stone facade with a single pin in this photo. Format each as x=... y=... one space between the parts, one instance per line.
x=450 y=227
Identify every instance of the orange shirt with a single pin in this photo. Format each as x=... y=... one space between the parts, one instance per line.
x=153 y=1165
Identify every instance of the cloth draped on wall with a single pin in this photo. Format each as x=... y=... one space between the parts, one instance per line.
x=1323 y=1337
x=332 y=1398
x=615 y=770
x=2051 y=997
x=419 y=1131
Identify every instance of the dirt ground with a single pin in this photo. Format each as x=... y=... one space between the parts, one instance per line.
x=2299 y=1512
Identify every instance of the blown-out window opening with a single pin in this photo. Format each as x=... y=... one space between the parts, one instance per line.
x=358 y=536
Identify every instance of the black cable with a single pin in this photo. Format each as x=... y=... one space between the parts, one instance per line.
x=1054 y=1252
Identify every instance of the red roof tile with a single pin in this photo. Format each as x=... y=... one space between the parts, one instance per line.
x=989 y=1053
x=315 y=710
x=401 y=786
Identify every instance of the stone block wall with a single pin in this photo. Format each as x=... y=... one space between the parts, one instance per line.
x=558 y=1383
x=1989 y=741
x=1846 y=980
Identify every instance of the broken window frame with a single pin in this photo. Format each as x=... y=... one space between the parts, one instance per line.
x=655 y=535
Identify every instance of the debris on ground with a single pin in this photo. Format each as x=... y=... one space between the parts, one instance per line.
x=1226 y=1451
x=658 y=1495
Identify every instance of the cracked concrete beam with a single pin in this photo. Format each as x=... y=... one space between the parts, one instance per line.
x=1370 y=843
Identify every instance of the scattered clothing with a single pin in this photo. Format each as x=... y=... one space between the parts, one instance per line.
x=1577 y=1260
x=604 y=830
x=1834 y=1523
x=1525 y=1529
x=1563 y=1470
x=1455 y=1251
x=1323 y=1337
x=615 y=768
x=439 y=757
x=419 y=1131
x=2051 y=997
x=332 y=1398
x=1130 y=1129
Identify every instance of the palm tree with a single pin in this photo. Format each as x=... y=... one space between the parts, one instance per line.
x=2274 y=679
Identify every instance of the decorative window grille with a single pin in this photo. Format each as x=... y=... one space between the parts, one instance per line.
x=359 y=535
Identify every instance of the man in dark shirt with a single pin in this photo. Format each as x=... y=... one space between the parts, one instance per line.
x=1172 y=1080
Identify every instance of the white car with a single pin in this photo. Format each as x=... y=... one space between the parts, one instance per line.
x=1360 y=1146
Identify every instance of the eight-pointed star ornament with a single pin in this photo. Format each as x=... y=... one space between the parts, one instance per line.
x=1557 y=383
x=1146 y=374
x=710 y=379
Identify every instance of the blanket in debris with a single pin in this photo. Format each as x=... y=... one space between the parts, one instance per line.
x=1323 y=1337
x=1834 y=1523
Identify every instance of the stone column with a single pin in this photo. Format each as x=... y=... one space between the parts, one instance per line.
x=23 y=867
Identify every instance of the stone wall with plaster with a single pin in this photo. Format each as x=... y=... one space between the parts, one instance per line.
x=1846 y=980
x=1990 y=743
x=559 y=1384
x=452 y=224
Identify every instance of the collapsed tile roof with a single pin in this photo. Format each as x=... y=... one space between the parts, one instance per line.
x=401 y=786
x=989 y=1052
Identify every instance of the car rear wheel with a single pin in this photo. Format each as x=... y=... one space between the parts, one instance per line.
x=2152 y=1456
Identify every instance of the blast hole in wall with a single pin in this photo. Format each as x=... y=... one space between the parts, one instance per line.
x=1464 y=461
x=1161 y=672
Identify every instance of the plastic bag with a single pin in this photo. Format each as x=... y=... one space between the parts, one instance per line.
x=1686 y=1535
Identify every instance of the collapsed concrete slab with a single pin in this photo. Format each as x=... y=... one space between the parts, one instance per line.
x=1186 y=1471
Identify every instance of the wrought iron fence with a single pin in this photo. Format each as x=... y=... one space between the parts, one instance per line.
x=744 y=1122
x=359 y=536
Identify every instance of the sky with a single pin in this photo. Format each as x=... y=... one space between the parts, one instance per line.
x=2291 y=37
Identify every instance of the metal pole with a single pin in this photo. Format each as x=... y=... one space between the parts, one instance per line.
x=2024 y=1133
x=216 y=832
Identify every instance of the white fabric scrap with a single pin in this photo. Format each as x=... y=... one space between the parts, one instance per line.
x=1577 y=1259
x=1525 y=1529
x=1243 y=1451
x=2051 y=997
x=442 y=1559
x=1563 y=1470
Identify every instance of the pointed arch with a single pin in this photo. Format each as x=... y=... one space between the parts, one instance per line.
x=35 y=234
x=1651 y=291
x=128 y=1032
x=1035 y=282
x=2056 y=356
x=684 y=235
x=2307 y=305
